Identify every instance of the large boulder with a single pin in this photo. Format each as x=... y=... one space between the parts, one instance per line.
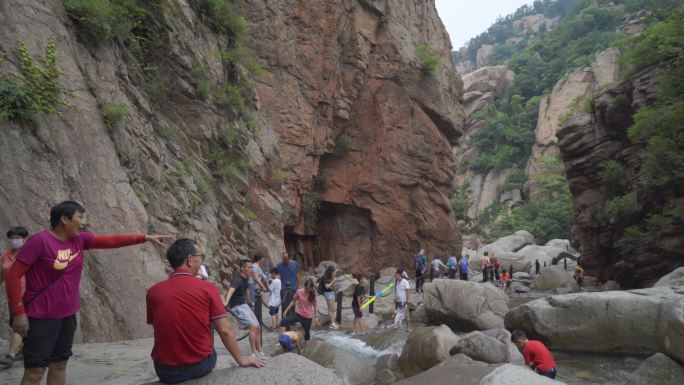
x=562 y=244
x=643 y=321
x=657 y=369
x=554 y=277
x=285 y=369
x=675 y=278
x=465 y=305
x=492 y=346
x=544 y=254
x=352 y=369
x=462 y=370
x=459 y=369
x=426 y=347
x=507 y=259
x=516 y=375
x=511 y=243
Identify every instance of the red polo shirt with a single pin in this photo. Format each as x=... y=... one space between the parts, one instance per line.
x=181 y=310
x=535 y=351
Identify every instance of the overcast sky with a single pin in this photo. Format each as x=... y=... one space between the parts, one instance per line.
x=464 y=19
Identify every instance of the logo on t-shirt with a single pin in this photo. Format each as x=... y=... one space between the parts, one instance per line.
x=63 y=259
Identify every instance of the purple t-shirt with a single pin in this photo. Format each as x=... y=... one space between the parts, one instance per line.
x=49 y=258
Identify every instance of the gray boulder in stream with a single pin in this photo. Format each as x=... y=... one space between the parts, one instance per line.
x=657 y=369
x=462 y=370
x=352 y=369
x=426 y=347
x=675 y=278
x=285 y=369
x=643 y=321
x=465 y=305
x=554 y=277
x=491 y=346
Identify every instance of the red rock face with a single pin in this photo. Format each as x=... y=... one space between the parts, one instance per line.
x=361 y=126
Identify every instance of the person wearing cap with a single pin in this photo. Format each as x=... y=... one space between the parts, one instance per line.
x=536 y=355
x=289 y=340
x=402 y=296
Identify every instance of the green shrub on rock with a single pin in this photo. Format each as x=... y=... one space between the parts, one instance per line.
x=105 y=19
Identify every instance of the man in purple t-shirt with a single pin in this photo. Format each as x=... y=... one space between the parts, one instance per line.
x=52 y=262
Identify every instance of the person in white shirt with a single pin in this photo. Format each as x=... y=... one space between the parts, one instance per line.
x=403 y=296
x=202 y=273
x=274 y=299
x=436 y=270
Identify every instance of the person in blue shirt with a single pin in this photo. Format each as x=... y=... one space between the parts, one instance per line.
x=288 y=270
x=463 y=268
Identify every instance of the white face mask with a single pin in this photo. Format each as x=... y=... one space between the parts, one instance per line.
x=16 y=243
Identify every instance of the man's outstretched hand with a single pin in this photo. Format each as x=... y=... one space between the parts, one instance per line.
x=158 y=239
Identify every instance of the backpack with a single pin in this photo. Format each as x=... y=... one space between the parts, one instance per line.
x=419 y=263
x=321 y=286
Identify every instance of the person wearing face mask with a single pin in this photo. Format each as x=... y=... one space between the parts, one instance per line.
x=52 y=261
x=16 y=237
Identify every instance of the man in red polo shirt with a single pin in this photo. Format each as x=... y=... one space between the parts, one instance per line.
x=182 y=309
x=536 y=355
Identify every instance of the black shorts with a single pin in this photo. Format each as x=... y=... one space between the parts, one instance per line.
x=273 y=310
x=357 y=311
x=48 y=341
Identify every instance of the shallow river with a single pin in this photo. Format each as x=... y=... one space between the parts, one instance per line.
x=573 y=368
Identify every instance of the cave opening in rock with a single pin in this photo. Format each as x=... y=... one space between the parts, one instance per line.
x=343 y=233
x=303 y=248
x=347 y=235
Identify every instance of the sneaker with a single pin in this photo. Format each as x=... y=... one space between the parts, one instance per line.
x=19 y=356
x=263 y=355
x=6 y=362
x=334 y=326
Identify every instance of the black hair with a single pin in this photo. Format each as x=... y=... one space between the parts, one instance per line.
x=258 y=256
x=358 y=276
x=17 y=231
x=518 y=335
x=329 y=272
x=275 y=271
x=64 y=209
x=243 y=262
x=400 y=271
x=178 y=253
x=486 y=253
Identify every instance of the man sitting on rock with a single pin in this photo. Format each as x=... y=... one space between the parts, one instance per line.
x=181 y=310
x=536 y=355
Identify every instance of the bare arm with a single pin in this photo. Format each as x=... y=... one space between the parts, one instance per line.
x=230 y=293
x=225 y=332
x=299 y=348
x=291 y=305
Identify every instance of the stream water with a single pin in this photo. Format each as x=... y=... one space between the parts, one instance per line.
x=573 y=368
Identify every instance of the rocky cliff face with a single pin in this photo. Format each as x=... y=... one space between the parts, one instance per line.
x=571 y=94
x=365 y=135
x=585 y=142
x=481 y=89
x=346 y=129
